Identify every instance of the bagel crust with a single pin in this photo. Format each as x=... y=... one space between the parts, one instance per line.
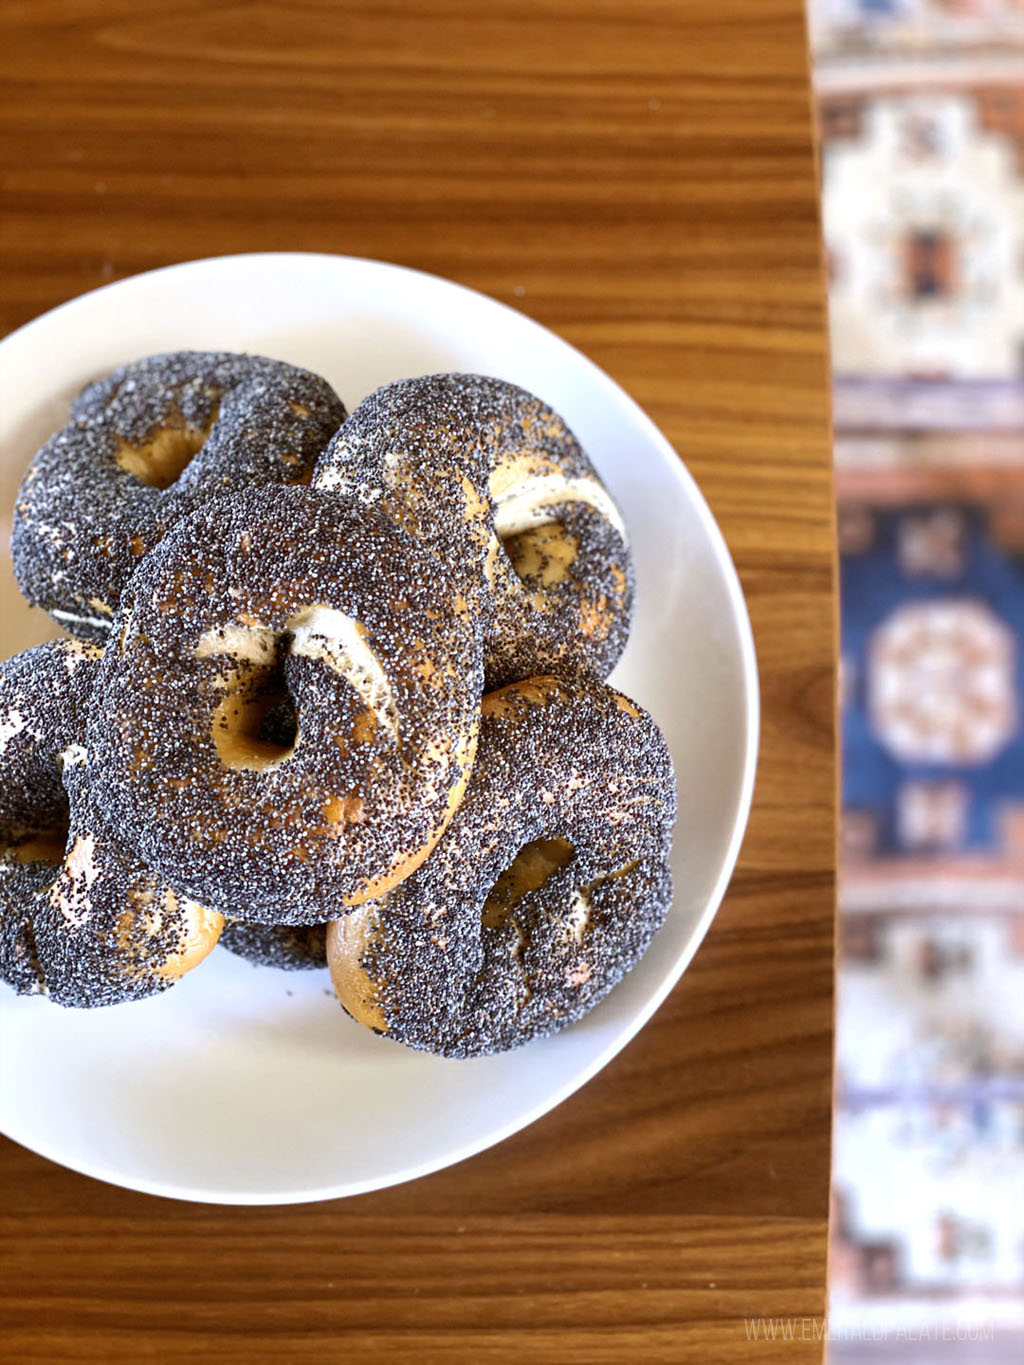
x=548 y=886
x=81 y=919
x=143 y=448
x=495 y=484
x=289 y=706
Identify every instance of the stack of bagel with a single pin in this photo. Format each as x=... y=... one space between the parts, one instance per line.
x=332 y=695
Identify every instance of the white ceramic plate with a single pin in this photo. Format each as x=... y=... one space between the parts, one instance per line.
x=247 y=1085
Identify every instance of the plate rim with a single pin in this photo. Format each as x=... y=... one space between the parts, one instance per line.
x=740 y=619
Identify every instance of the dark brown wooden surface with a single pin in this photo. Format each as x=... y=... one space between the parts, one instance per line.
x=640 y=177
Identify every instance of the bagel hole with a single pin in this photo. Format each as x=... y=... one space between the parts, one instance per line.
x=257 y=727
x=529 y=870
x=161 y=461
x=45 y=845
x=541 y=555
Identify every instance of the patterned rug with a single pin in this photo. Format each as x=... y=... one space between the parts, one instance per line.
x=921 y=108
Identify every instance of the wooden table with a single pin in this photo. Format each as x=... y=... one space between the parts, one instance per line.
x=640 y=177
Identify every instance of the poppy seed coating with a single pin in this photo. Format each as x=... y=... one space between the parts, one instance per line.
x=290 y=703
x=292 y=948
x=81 y=920
x=143 y=448
x=44 y=693
x=495 y=484
x=547 y=887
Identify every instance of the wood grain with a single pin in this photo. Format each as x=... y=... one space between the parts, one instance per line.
x=641 y=179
